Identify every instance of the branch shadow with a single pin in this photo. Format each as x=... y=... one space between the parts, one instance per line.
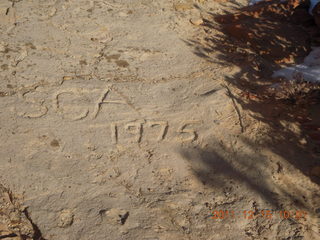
x=258 y=40
x=252 y=174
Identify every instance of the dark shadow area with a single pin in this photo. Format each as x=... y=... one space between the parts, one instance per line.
x=258 y=39
x=37 y=233
x=216 y=169
x=249 y=174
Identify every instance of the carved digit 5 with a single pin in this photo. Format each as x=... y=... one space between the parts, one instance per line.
x=183 y=130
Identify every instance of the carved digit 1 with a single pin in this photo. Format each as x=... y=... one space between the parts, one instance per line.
x=137 y=130
x=192 y=132
x=114 y=133
x=163 y=130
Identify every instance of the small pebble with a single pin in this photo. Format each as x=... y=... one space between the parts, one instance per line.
x=196 y=21
x=65 y=219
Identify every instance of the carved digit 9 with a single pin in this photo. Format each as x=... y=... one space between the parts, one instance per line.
x=135 y=128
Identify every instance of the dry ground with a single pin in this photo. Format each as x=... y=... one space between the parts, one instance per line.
x=127 y=120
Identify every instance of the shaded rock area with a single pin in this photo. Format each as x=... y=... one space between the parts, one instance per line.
x=261 y=39
x=278 y=31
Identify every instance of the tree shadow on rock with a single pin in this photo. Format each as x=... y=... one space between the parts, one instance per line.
x=253 y=175
x=258 y=40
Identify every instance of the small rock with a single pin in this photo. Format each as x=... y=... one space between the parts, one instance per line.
x=65 y=218
x=117 y=216
x=303 y=141
x=196 y=21
x=66 y=78
x=182 y=221
x=197 y=209
x=22 y=56
x=219 y=200
x=52 y=12
x=201 y=226
x=122 y=63
x=123 y=14
x=2 y=47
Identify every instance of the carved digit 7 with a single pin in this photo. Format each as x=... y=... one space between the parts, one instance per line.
x=164 y=128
